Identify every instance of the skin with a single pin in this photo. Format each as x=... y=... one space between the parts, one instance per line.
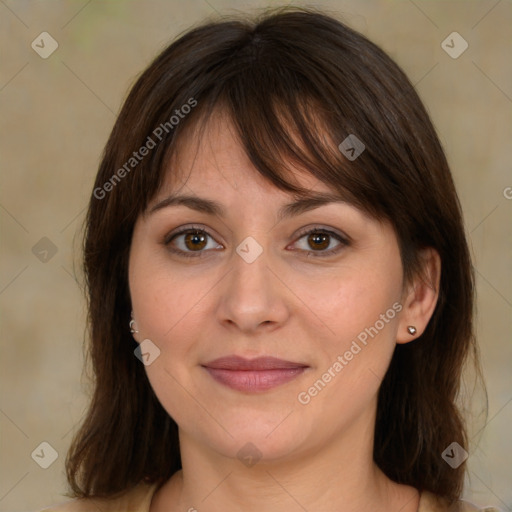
x=315 y=456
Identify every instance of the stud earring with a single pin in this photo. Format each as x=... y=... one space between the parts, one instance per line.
x=411 y=329
x=133 y=330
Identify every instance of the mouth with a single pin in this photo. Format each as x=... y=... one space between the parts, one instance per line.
x=253 y=375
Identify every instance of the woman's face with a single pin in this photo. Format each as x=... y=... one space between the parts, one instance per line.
x=253 y=285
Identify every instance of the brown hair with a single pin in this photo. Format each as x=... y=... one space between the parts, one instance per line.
x=296 y=82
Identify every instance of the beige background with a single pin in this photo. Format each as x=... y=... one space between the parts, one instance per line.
x=57 y=114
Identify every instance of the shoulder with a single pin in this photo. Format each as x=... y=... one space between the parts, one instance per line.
x=137 y=499
x=431 y=503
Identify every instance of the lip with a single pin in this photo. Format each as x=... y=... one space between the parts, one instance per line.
x=256 y=364
x=253 y=375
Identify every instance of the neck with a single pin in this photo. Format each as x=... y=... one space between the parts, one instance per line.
x=337 y=475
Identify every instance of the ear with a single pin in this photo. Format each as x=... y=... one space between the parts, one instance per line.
x=420 y=299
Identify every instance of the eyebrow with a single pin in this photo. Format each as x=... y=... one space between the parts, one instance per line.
x=208 y=206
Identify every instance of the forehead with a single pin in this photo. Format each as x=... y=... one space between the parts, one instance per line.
x=209 y=157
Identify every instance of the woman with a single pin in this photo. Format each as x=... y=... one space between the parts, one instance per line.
x=280 y=289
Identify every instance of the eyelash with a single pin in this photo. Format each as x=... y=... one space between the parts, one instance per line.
x=315 y=254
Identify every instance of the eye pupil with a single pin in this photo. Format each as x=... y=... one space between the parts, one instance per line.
x=195 y=237
x=322 y=239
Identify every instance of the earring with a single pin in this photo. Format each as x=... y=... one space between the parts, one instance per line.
x=411 y=329
x=133 y=330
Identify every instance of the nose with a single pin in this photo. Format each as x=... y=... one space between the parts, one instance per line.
x=252 y=296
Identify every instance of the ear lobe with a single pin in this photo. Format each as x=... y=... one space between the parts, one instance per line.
x=421 y=298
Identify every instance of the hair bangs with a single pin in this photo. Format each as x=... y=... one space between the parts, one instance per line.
x=284 y=134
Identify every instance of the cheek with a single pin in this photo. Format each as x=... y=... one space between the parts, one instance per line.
x=161 y=298
x=358 y=312
x=165 y=309
x=352 y=363
x=354 y=300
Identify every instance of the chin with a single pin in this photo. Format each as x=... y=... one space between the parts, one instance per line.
x=257 y=438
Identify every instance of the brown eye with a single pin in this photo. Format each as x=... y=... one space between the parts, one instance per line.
x=189 y=242
x=195 y=240
x=319 y=240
